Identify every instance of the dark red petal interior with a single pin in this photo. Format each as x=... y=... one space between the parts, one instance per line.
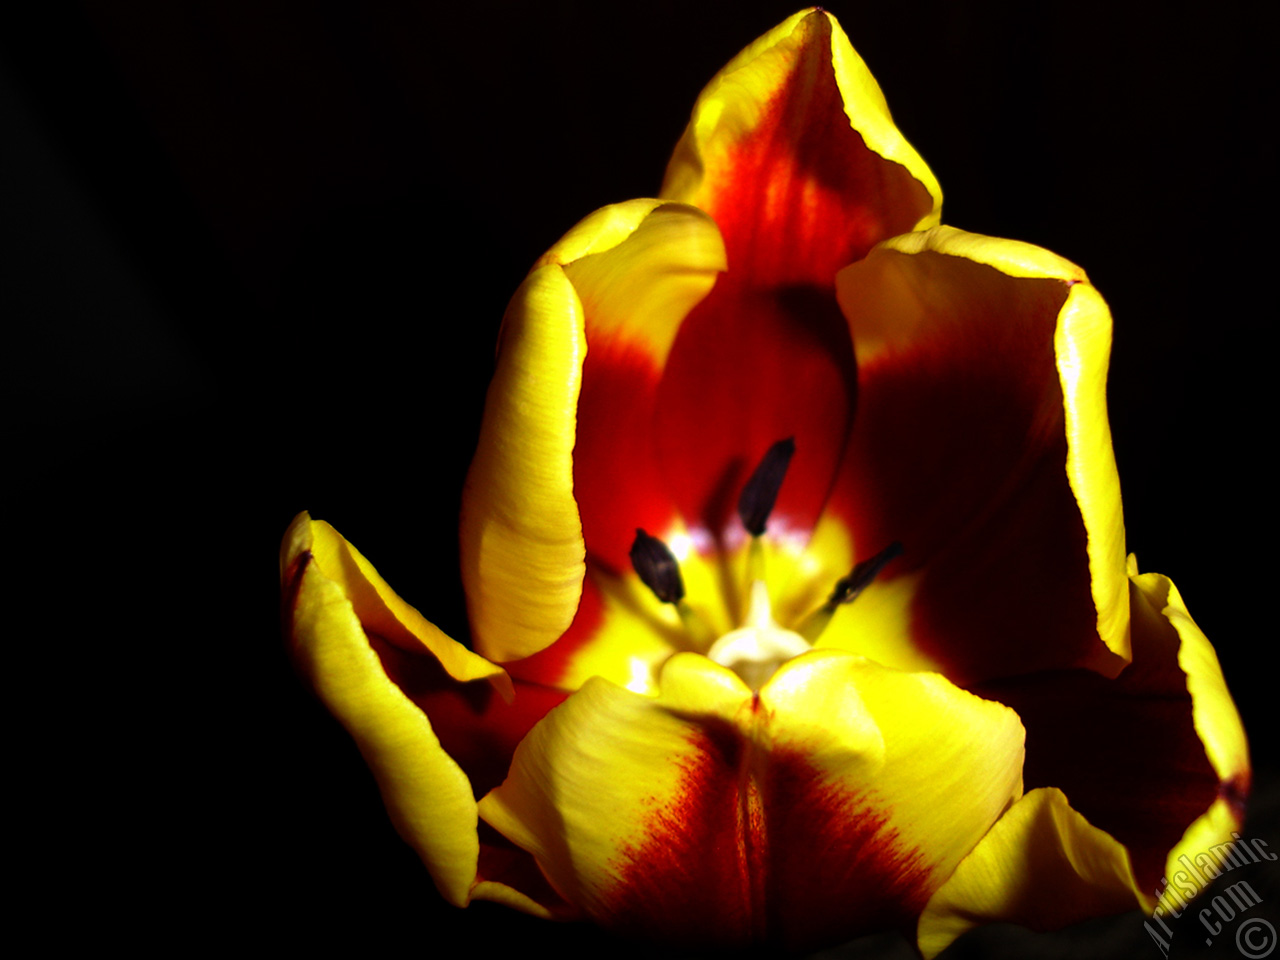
x=615 y=473
x=959 y=451
x=475 y=727
x=1124 y=751
x=749 y=368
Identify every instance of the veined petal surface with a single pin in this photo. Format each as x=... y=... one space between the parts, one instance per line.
x=635 y=296
x=792 y=151
x=683 y=814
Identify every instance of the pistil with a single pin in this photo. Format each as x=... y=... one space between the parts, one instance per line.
x=755 y=651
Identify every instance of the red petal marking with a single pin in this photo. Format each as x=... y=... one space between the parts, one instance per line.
x=959 y=452
x=615 y=472
x=1124 y=751
x=474 y=726
x=802 y=196
x=759 y=849
x=749 y=368
x=547 y=667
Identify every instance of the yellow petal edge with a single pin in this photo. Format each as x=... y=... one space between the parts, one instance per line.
x=333 y=596
x=1216 y=719
x=596 y=774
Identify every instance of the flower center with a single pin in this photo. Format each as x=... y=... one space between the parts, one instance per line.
x=755 y=650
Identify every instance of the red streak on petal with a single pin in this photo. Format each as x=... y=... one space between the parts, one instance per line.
x=767 y=354
x=615 y=476
x=475 y=727
x=758 y=848
x=801 y=196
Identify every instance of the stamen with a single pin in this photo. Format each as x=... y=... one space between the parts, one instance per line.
x=847 y=590
x=761 y=492
x=657 y=568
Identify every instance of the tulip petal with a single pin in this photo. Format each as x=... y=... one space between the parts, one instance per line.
x=1042 y=866
x=521 y=539
x=693 y=814
x=329 y=596
x=982 y=445
x=792 y=151
x=393 y=680
x=1157 y=757
x=622 y=280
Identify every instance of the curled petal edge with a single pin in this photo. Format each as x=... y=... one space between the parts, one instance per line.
x=331 y=597
x=1044 y=866
x=1214 y=714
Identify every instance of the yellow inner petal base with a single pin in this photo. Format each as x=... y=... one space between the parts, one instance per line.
x=744 y=608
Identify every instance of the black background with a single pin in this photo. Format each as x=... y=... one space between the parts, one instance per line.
x=256 y=256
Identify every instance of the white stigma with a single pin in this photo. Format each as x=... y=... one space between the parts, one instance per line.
x=755 y=651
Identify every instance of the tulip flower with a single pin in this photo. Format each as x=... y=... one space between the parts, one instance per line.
x=795 y=566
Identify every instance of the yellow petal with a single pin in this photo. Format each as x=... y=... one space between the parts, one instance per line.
x=639 y=268
x=832 y=803
x=333 y=601
x=1042 y=866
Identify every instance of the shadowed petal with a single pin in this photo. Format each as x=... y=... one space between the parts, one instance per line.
x=981 y=443
x=635 y=297
x=1157 y=757
x=1042 y=866
x=399 y=685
